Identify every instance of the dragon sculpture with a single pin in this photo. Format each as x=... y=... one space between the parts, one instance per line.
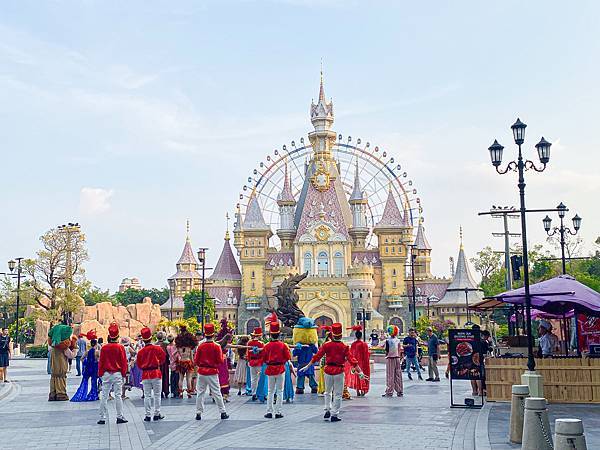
x=287 y=300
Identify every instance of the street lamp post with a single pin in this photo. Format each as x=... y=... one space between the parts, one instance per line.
x=171 y=282
x=363 y=316
x=202 y=260
x=520 y=166
x=11 y=266
x=562 y=230
x=431 y=299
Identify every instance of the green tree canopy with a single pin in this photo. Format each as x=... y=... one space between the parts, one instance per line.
x=193 y=305
x=131 y=296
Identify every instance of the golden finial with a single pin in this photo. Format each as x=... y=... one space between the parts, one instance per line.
x=461 y=237
x=227 y=226
x=187 y=229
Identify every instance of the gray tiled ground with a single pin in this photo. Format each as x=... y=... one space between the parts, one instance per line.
x=422 y=419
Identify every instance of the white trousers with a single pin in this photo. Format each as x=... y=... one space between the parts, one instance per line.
x=110 y=381
x=152 y=386
x=211 y=382
x=275 y=385
x=254 y=377
x=334 y=385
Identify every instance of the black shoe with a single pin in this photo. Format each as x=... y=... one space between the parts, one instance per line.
x=299 y=391
x=158 y=417
x=254 y=397
x=268 y=416
x=386 y=395
x=224 y=416
x=420 y=378
x=198 y=416
x=436 y=380
x=119 y=420
x=314 y=391
x=147 y=419
x=327 y=415
x=409 y=376
x=335 y=419
x=101 y=422
x=429 y=379
x=279 y=416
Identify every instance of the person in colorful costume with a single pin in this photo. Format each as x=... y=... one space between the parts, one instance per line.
x=208 y=358
x=393 y=363
x=336 y=354
x=305 y=338
x=185 y=343
x=275 y=354
x=112 y=368
x=360 y=350
x=241 y=368
x=161 y=340
x=255 y=365
x=173 y=359
x=149 y=360
x=63 y=343
x=224 y=367
x=89 y=372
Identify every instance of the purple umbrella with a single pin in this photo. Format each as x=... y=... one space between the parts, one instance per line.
x=558 y=295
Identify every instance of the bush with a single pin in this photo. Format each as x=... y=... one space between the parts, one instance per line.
x=37 y=351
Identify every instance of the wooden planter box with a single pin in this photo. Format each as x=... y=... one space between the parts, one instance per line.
x=568 y=380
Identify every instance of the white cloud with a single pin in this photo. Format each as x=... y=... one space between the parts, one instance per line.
x=94 y=201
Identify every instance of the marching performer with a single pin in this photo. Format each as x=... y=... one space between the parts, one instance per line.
x=208 y=358
x=112 y=368
x=336 y=354
x=149 y=359
x=255 y=359
x=275 y=354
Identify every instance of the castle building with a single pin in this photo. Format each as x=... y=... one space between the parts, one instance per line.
x=323 y=231
x=130 y=283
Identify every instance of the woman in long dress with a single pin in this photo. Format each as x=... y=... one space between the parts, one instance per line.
x=288 y=384
x=224 y=367
x=134 y=370
x=90 y=377
x=241 y=368
x=360 y=350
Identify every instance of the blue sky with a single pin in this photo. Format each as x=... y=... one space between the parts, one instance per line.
x=131 y=117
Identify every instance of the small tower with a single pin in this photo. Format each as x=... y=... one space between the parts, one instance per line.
x=287 y=207
x=322 y=138
x=358 y=205
x=253 y=259
x=238 y=234
x=423 y=252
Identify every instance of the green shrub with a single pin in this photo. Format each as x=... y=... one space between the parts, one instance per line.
x=37 y=351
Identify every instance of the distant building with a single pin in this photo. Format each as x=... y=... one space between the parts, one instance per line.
x=130 y=283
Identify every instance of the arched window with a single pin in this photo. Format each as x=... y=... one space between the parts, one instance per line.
x=253 y=274
x=308 y=262
x=338 y=263
x=394 y=283
x=251 y=325
x=398 y=322
x=393 y=272
x=323 y=264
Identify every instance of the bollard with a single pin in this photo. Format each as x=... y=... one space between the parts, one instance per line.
x=517 y=411
x=536 y=426
x=568 y=434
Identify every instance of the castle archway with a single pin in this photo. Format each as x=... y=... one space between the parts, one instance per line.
x=323 y=321
x=398 y=322
x=251 y=325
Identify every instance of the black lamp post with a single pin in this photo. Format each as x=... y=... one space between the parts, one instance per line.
x=363 y=316
x=562 y=230
x=172 y=286
x=11 y=266
x=202 y=260
x=520 y=166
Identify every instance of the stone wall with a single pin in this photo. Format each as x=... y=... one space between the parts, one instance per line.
x=131 y=320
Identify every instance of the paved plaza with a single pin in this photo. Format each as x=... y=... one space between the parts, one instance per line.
x=422 y=419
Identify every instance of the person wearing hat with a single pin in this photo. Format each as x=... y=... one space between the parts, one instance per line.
x=275 y=355
x=62 y=343
x=255 y=359
x=112 y=368
x=149 y=359
x=208 y=358
x=393 y=363
x=305 y=339
x=336 y=354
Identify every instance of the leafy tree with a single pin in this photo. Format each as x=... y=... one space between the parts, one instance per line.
x=57 y=271
x=131 y=296
x=495 y=283
x=487 y=262
x=193 y=305
x=92 y=295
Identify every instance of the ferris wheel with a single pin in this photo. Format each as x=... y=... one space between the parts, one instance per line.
x=378 y=172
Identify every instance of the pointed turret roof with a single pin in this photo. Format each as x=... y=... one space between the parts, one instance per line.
x=187 y=255
x=357 y=193
x=462 y=280
x=406 y=220
x=391 y=217
x=323 y=110
x=254 y=219
x=286 y=196
x=421 y=242
x=227 y=267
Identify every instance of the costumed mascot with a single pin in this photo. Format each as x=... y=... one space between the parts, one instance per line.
x=305 y=338
x=62 y=341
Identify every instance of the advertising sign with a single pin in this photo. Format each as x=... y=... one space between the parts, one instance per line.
x=589 y=331
x=464 y=351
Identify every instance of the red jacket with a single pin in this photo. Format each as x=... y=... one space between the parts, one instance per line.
x=112 y=359
x=208 y=358
x=149 y=359
x=336 y=354
x=275 y=354
x=254 y=359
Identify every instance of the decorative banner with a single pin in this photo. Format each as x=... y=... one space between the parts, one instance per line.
x=589 y=331
x=464 y=351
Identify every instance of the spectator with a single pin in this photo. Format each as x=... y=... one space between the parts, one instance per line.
x=433 y=350
x=374 y=338
x=4 y=354
x=410 y=350
x=81 y=349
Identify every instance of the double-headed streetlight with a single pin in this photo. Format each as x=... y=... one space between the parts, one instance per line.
x=562 y=230
x=520 y=166
x=202 y=260
x=12 y=265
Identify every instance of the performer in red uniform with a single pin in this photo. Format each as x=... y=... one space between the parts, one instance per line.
x=255 y=360
x=360 y=350
x=112 y=368
x=149 y=359
x=208 y=358
x=336 y=354
x=275 y=354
